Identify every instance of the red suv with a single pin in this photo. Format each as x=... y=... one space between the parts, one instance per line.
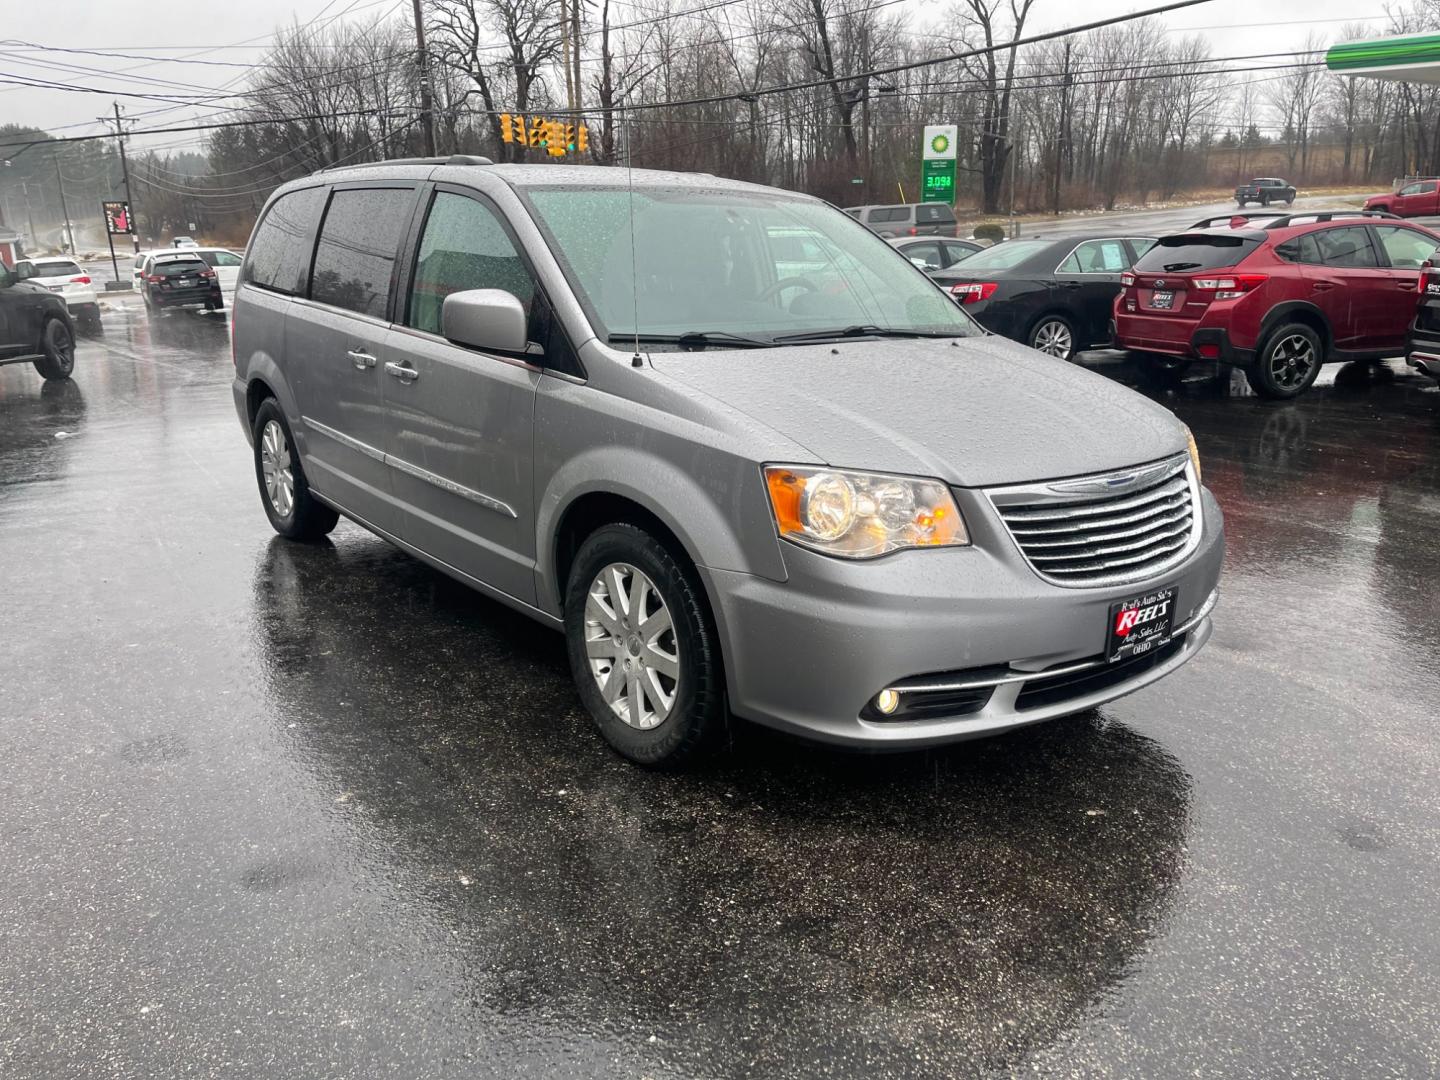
x=1277 y=299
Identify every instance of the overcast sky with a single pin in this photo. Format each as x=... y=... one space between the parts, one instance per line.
x=234 y=32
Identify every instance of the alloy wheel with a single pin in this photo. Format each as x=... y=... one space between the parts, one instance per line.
x=631 y=647
x=63 y=345
x=275 y=466
x=1291 y=360
x=1054 y=339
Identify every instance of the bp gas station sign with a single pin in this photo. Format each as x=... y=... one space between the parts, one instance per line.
x=937 y=163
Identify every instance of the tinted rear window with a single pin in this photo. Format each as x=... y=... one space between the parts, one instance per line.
x=1180 y=254
x=177 y=267
x=356 y=252
x=930 y=213
x=278 y=251
x=889 y=213
x=58 y=269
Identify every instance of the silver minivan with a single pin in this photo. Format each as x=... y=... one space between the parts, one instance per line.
x=822 y=499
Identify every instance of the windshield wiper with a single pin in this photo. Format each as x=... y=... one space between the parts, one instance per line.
x=864 y=330
x=694 y=339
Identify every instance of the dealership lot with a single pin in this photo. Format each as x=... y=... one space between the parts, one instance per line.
x=319 y=811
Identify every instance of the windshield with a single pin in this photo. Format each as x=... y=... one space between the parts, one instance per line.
x=758 y=265
x=1006 y=255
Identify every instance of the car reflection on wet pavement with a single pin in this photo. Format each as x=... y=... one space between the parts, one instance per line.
x=319 y=811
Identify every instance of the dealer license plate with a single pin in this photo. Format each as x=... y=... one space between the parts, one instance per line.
x=1163 y=300
x=1140 y=624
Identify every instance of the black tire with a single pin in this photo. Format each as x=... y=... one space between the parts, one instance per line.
x=1240 y=203
x=1054 y=335
x=1280 y=370
x=57 y=344
x=90 y=321
x=697 y=714
x=1264 y=201
x=305 y=517
x=1290 y=199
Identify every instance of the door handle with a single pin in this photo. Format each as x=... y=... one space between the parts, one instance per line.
x=1323 y=286
x=401 y=372
x=1407 y=285
x=361 y=359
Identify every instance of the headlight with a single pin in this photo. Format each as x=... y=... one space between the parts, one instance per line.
x=859 y=515
x=1194 y=452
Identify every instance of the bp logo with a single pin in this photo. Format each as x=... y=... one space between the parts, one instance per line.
x=940 y=143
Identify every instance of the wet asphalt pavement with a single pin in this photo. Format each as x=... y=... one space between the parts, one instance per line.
x=281 y=811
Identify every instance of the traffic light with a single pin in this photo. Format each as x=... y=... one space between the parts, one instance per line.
x=582 y=139
x=569 y=138
x=555 y=138
x=539 y=133
x=512 y=129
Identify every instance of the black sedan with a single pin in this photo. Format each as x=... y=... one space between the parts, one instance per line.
x=1054 y=294
x=35 y=327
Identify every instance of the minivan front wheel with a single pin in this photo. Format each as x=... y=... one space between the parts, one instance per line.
x=1288 y=362
x=293 y=512
x=642 y=650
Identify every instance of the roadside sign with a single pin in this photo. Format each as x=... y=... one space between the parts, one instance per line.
x=118 y=221
x=937 y=181
x=937 y=164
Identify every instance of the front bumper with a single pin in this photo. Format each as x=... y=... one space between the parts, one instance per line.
x=809 y=654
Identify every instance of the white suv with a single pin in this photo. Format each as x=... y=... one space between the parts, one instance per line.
x=65 y=277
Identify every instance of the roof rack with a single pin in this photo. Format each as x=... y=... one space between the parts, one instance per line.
x=1225 y=219
x=453 y=159
x=1327 y=215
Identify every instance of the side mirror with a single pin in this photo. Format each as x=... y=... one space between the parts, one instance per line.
x=24 y=271
x=488 y=319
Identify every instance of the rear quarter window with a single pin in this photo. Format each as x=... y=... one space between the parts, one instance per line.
x=933 y=213
x=1181 y=254
x=279 y=252
x=887 y=214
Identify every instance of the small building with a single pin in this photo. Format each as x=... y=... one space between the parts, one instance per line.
x=10 y=247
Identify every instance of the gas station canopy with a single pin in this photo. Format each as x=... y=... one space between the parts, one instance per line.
x=1410 y=58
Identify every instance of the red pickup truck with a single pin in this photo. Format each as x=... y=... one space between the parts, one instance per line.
x=1416 y=198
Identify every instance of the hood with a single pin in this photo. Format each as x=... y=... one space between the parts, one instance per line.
x=976 y=412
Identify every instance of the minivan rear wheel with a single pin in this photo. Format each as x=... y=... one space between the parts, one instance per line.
x=642 y=649
x=284 y=492
x=1287 y=363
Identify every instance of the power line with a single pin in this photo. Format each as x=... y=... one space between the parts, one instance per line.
x=895 y=69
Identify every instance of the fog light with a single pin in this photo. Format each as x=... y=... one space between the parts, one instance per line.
x=887 y=701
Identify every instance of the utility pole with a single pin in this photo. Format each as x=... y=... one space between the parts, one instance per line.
x=565 y=56
x=427 y=107
x=575 y=52
x=30 y=214
x=125 y=175
x=69 y=235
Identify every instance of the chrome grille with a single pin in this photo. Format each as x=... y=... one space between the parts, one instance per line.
x=1105 y=529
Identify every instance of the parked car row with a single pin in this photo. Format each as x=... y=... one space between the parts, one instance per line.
x=1277 y=298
